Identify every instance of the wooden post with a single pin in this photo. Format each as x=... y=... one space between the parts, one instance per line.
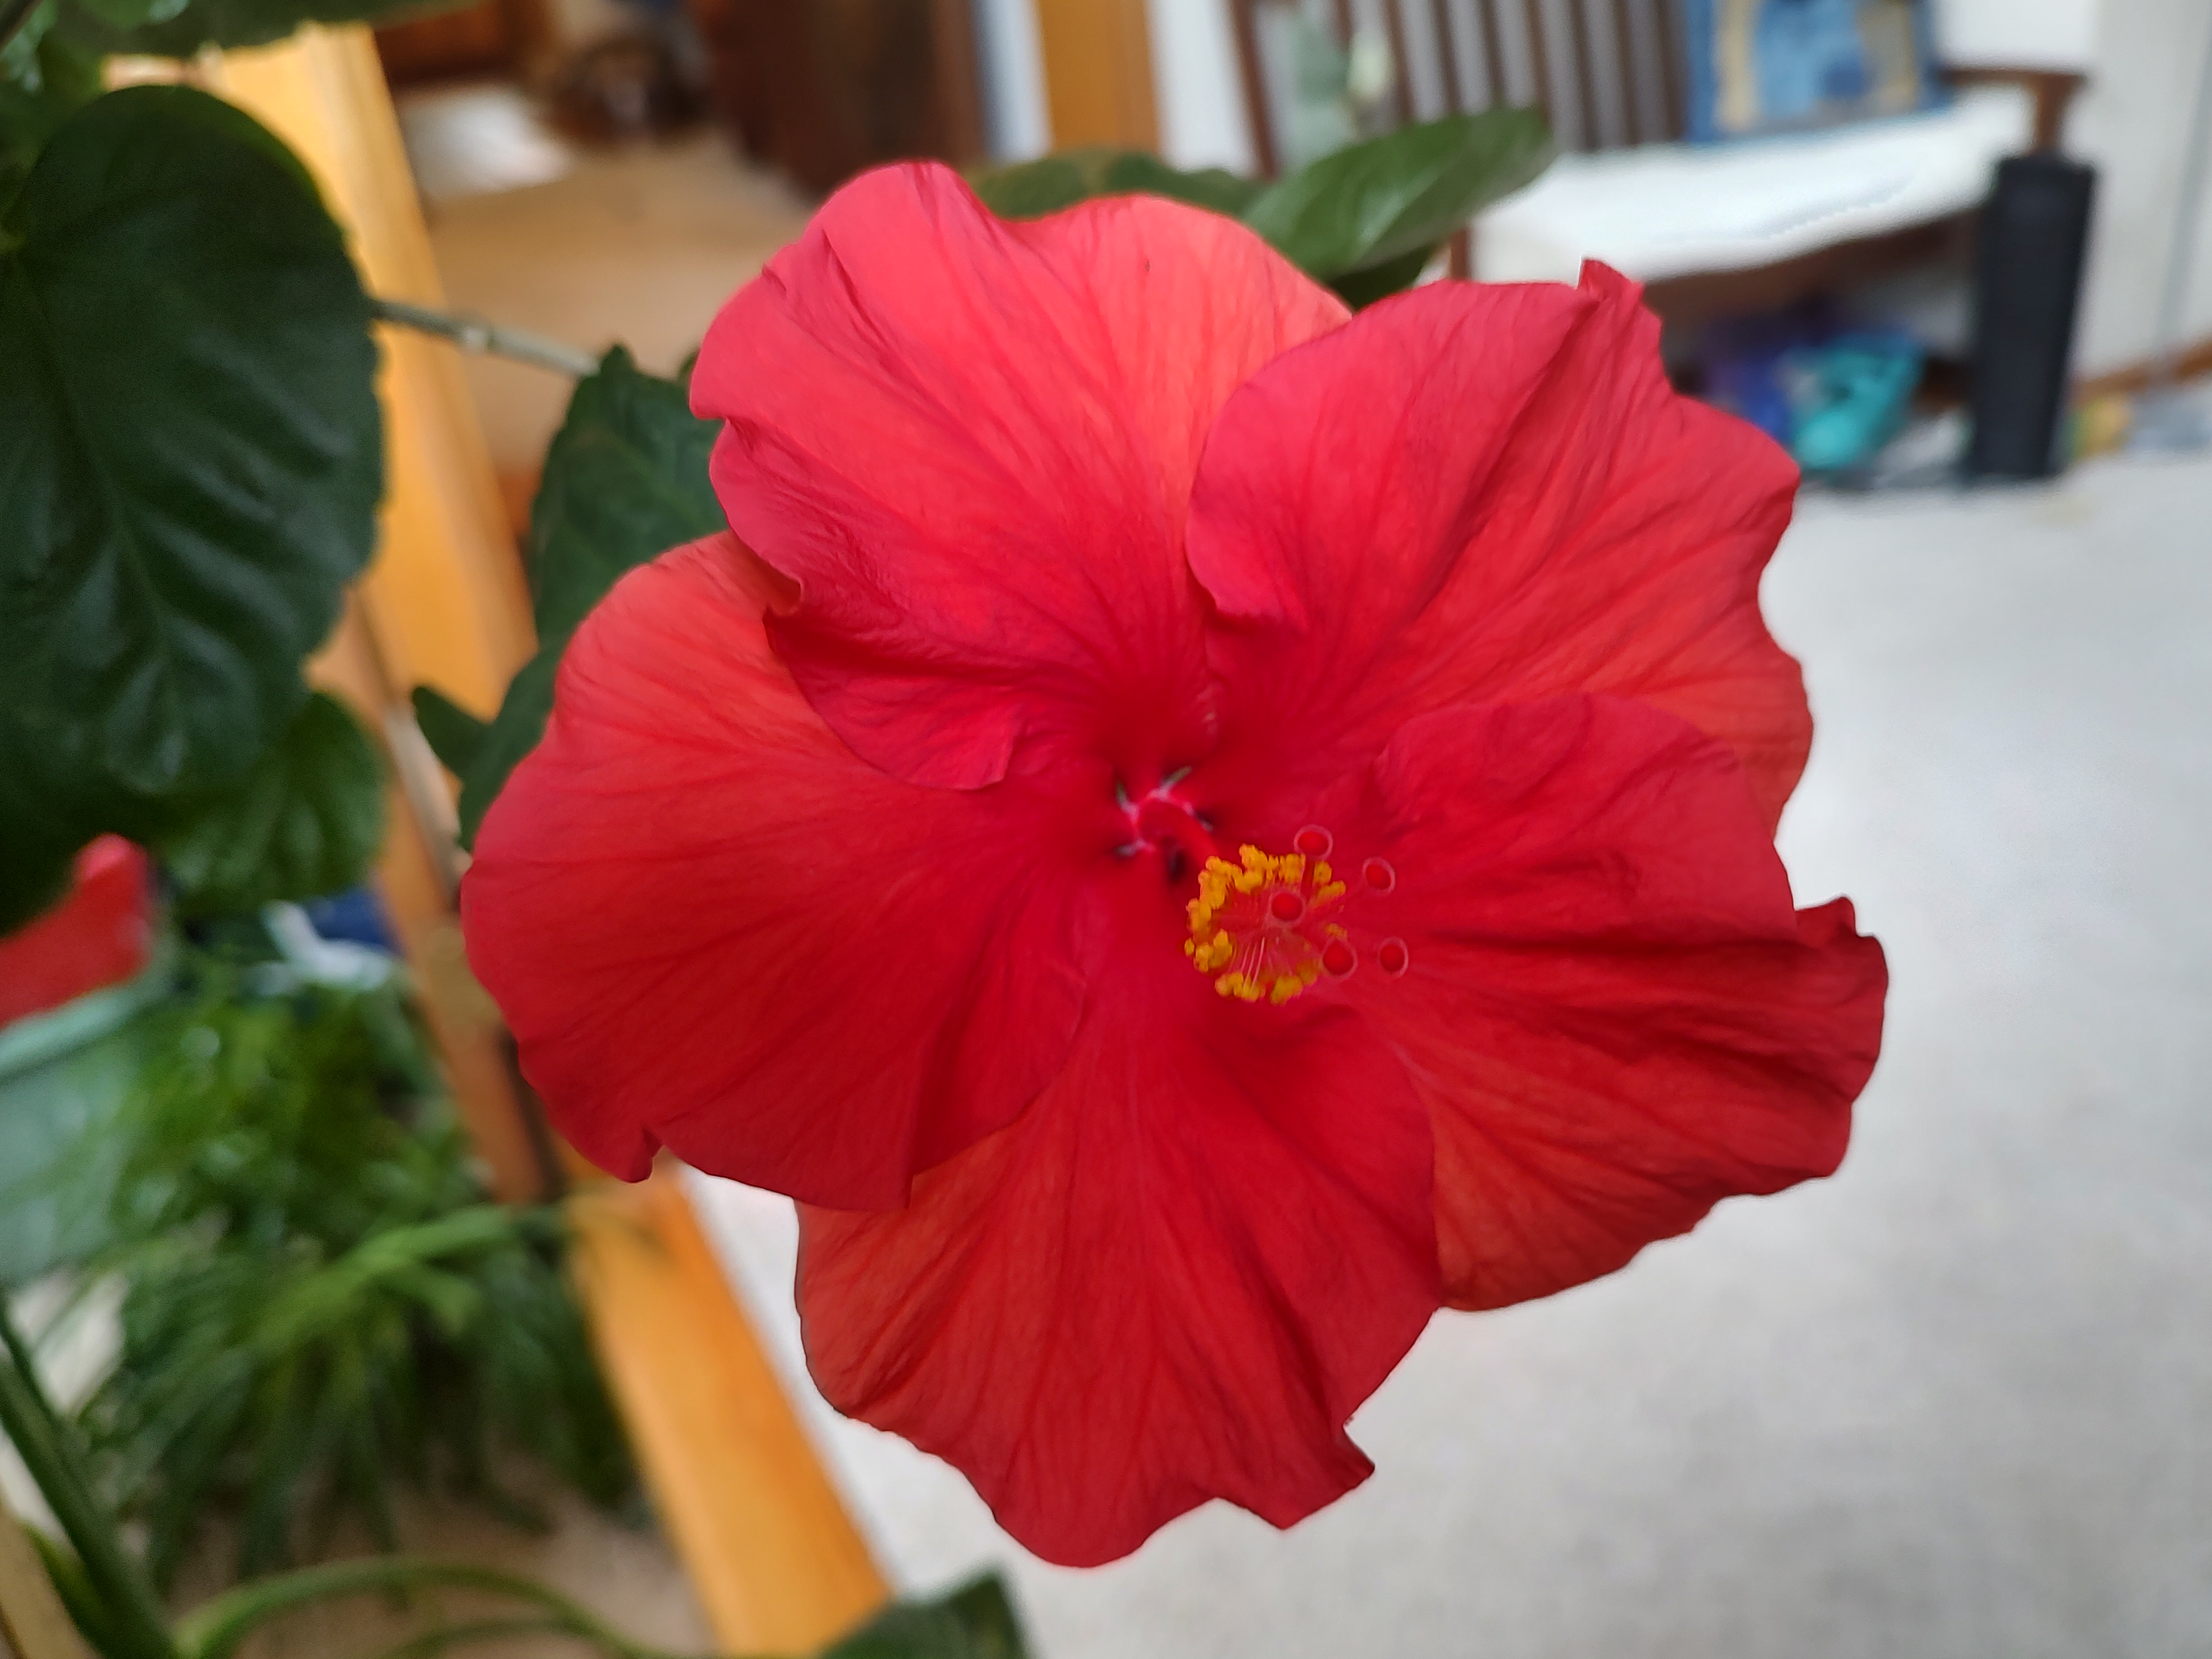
x=777 y=1562
x=1098 y=73
x=767 y=1543
x=446 y=597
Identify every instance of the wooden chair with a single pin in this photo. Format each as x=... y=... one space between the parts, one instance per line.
x=1609 y=75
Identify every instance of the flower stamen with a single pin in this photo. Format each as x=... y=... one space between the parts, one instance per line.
x=1260 y=926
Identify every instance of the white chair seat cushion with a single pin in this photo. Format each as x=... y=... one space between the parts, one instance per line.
x=1663 y=211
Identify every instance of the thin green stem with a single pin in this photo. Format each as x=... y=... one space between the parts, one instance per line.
x=474 y=334
x=431 y=1643
x=214 y=1629
x=43 y=1440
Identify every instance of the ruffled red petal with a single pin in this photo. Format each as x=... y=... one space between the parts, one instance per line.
x=1174 y=1278
x=971 y=444
x=1615 y=1016
x=1480 y=493
x=711 y=926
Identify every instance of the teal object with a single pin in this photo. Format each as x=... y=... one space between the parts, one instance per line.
x=1849 y=399
x=63 y=1076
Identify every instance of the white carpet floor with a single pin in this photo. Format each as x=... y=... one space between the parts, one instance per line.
x=1955 y=1403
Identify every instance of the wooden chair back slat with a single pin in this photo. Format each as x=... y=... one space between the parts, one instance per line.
x=1540 y=59
x=1447 y=52
x=1493 y=56
x=1590 y=118
x=1244 y=24
x=1402 y=62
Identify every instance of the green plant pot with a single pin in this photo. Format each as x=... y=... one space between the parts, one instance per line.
x=61 y=1075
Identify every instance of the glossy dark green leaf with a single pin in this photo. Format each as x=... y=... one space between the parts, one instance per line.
x=976 y=1621
x=35 y=849
x=625 y=480
x=1384 y=199
x=1136 y=172
x=306 y=821
x=1360 y=289
x=133 y=13
x=1032 y=189
x=190 y=443
x=514 y=733
x=42 y=83
x=455 y=735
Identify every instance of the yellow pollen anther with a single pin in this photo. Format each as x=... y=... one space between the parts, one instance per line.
x=1257 y=925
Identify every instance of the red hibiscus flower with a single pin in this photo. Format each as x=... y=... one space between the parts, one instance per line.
x=1188 y=828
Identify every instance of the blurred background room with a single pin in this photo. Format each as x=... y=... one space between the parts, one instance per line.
x=1955 y=1402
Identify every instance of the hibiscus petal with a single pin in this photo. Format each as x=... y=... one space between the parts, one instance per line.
x=1612 y=1009
x=971 y=444
x=710 y=925
x=1488 y=493
x=1174 y=1279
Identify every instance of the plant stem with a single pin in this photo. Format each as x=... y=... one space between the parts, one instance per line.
x=215 y=1629
x=474 y=334
x=14 y=14
x=42 y=1439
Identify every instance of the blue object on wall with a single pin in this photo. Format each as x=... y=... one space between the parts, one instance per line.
x=1765 y=66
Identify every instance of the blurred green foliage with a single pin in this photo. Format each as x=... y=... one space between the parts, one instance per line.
x=319 y=1298
x=1364 y=219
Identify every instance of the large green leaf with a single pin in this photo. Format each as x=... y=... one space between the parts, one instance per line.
x=1363 y=220
x=976 y=1621
x=36 y=848
x=1028 y=189
x=190 y=450
x=514 y=733
x=625 y=480
x=455 y=735
x=1391 y=196
x=306 y=821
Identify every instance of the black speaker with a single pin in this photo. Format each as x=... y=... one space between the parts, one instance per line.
x=2035 y=235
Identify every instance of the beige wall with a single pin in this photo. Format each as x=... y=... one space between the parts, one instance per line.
x=2132 y=123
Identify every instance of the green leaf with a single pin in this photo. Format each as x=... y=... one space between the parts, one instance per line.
x=306 y=821
x=514 y=733
x=1138 y=173
x=170 y=31
x=1030 y=190
x=36 y=850
x=455 y=735
x=975 y=1621
x=133 y=13
x=625 y=480
x=192 y=444
x=1384 y=199
x=1362 y=289
x=43 y=81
